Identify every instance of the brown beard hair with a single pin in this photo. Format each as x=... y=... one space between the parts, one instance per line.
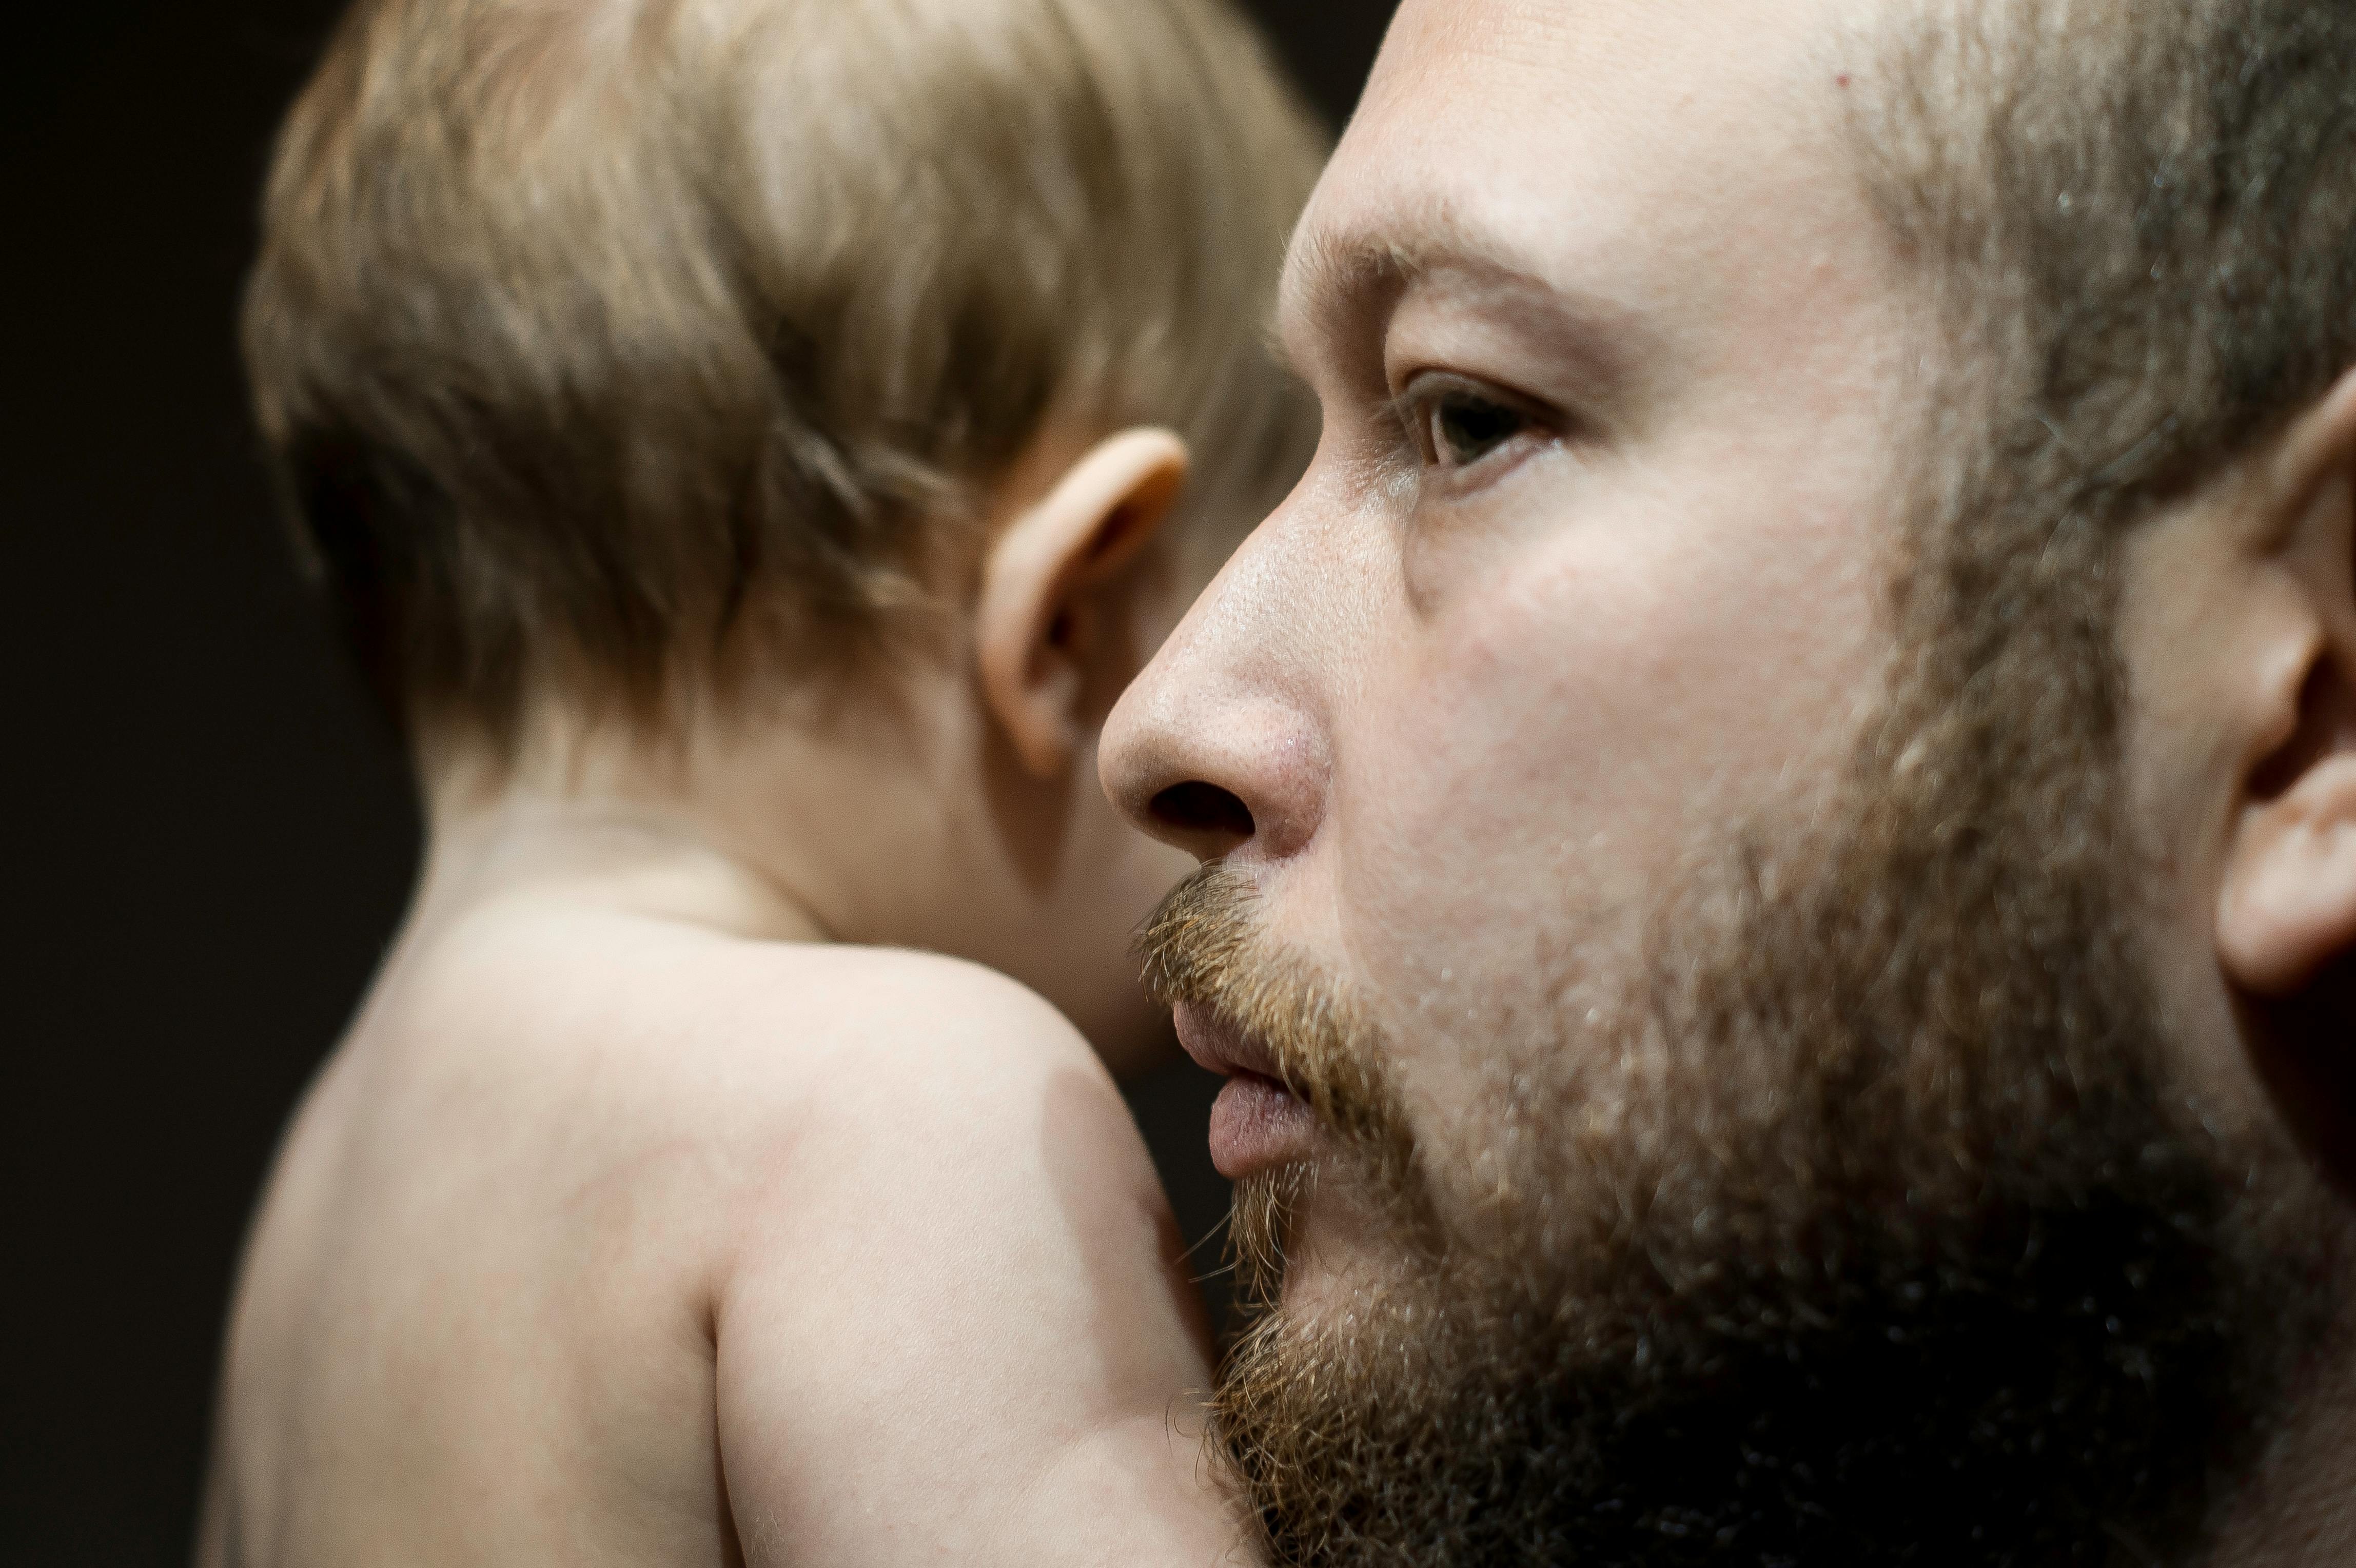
x=1202 y=946
x=1876 y=1223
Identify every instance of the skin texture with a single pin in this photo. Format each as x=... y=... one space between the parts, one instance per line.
x=1556 y=677
x=1456 y=723
x=664 y=1205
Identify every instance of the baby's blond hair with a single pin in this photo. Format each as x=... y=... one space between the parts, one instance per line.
x=602 y=345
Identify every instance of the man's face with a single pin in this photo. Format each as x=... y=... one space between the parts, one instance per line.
x=1697 y=1058
x=1591 y=563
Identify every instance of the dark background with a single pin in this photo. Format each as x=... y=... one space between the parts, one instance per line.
x=209 y=838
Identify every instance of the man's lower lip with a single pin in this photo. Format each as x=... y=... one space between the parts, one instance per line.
x=1257 y=1123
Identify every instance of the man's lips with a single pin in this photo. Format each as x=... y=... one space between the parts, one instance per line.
x=1217 y=1045
x=1257 y=1122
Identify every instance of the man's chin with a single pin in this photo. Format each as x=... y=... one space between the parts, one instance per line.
x=1326 y=1279
x=1310 y=1242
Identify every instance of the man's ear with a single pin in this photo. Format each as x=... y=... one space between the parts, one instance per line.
x=2289 y=905
x=1038 y=623
x=2286 y=910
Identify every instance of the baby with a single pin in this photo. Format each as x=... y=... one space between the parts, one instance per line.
x=747 y=443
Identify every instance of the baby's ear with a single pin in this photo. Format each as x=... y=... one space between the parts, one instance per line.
x=1040 y=619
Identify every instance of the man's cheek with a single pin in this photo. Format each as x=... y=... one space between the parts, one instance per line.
x=1482 y=823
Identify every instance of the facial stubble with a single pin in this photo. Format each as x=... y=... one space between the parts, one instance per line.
x=1874 y=1224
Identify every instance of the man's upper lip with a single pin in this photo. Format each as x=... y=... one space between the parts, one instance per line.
x=1214 y=1041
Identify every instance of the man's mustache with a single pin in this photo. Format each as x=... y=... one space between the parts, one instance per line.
x=1205 y=947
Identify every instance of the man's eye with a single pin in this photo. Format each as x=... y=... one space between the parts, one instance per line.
x=1462 y=427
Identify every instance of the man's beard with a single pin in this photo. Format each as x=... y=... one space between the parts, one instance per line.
x=1875 y=1224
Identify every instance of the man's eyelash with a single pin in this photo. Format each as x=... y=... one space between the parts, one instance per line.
x=1425 y=403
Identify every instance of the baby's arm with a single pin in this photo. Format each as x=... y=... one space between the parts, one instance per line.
x=950 y=1331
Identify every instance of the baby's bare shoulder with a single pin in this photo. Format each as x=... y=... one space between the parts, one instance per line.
x=880 y=1046
x=673 y=1020
x=809 y=1078
x=938 y=1265
x=960 y=1302
x=920 y=1083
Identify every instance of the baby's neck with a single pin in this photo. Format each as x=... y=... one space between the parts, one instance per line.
x=778 y=827
x=625 y=858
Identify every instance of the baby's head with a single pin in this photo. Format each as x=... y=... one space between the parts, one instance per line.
x=724 y=379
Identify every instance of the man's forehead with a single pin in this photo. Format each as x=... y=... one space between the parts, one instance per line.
x=1512 y=140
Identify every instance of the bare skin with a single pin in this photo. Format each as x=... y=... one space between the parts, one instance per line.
x=663 y=1205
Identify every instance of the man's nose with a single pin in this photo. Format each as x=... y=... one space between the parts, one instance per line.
x=1215 y=748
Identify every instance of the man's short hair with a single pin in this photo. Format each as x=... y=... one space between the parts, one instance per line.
x=599 y=345
x=2139 y=223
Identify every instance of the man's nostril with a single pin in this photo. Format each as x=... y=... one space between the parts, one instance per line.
x=1196 y=806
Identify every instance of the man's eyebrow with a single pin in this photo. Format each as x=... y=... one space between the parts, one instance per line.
x=1330 y=266
x=1331 y=281
x=1339 y=284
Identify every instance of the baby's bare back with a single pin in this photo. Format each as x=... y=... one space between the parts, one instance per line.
x=605 y=1239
